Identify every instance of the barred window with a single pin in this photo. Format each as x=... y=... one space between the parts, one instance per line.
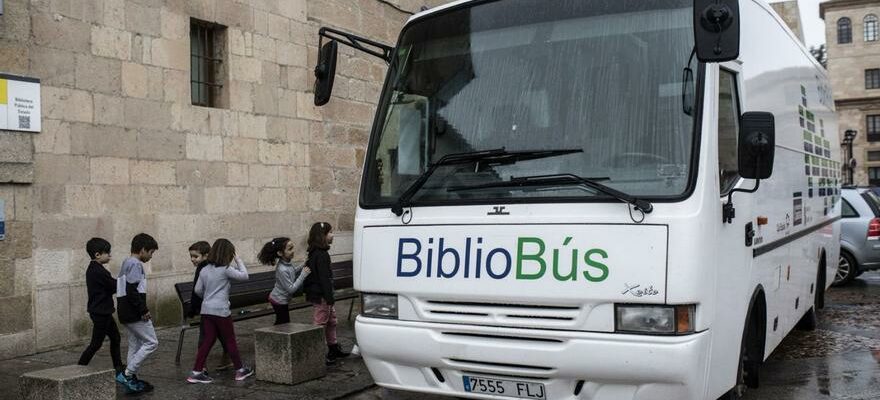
x=872 y=78
x=844 y=30
x=207 y=53
x=870 y=28
x=872 y=123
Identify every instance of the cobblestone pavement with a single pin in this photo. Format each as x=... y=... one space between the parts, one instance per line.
x=839 y=361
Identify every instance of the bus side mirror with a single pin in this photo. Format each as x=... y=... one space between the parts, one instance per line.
x=756 y=145
x=325 y=71
x=716 y=30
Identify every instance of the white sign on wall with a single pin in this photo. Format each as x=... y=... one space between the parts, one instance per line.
x=19 y=103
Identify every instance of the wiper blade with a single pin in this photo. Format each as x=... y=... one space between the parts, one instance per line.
x=563 y=179
x=487 y=157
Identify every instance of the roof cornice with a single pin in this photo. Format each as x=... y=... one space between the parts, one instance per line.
x=842 y=4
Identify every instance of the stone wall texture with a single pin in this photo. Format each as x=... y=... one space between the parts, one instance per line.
x=846 y=65
x=123 y=150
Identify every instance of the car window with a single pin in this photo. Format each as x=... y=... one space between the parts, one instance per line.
x=873 y=202
x=848 y=211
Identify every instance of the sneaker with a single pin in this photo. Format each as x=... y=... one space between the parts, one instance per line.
x=130 y=385
x=243 y=372
x=329 y=360
x=146 y=386
x=200 y=377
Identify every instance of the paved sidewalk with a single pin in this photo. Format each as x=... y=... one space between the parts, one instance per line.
x=348 y=377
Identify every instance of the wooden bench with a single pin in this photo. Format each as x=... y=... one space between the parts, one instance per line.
x=244 y=296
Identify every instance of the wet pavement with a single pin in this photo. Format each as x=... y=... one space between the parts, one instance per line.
x=840 y=360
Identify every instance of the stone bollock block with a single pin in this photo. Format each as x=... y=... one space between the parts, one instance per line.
x=290 y=353
x=70 y=382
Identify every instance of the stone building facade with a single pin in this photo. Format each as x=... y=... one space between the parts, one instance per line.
x=853 y=46
x=123 y=149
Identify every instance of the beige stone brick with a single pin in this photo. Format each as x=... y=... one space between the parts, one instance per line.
x=110 y=42
x=53 y=317
x=300 y=79
x=109 y=171
x=96 y=74
x=241 y=96
x=153 y=172
x=331 y=13
x=24 y=276
x=297 y=199
x=18 y=244
x=294 y=9
x=235 y=37
x=237 y=174
x=201 y=173
x=52 y=267
x=347 y=180
x=261 y=22
x=273 y=200
x=168 y=53
x=264 y=176
x=121 y=200
x=143 y=19
x=321 y=179
x=295 y=177
x=240 y=150
x=134 y=80
x=223 y=122
x=305 y=107
x=299 y=154
x=60 y=169
x=245 y=69
x=16 y=25
x=224 y=200
x=201 y=147
x=109 y=110
x=54 y=138
x=297 y=130
x=279 y=27
x=287 y=103
x=174 y=25
x=292 y=54
x=303 y=33
x=160 y=145
x=252 y=126
x=22 y=342
x=61 y=33
x=24 y=204
x=163 y=200
x=274 y=152
x=52 y=66
x=230 y=13
x=195 y=119
x=102 y=140
x=84 y=201
x=177 y=86
x=265 y=100
x=114 y=13
x=276 y=129
x=58 y=232
x=50 y=199
x=16 y=147
x=147 y=114
x=201 y=9
x=265 y=48
x=66 y=104
x=178 y=228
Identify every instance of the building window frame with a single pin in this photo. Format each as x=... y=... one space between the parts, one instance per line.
x=207 y=64
x=872 y=78
x=870 y=28
x=874 y=176
x=844 y=31
x=873 y=156
x=872 y=127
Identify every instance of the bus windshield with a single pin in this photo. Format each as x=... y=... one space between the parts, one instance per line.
x=605 y=77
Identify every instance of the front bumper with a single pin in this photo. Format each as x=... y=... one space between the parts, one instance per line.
x=401 y=355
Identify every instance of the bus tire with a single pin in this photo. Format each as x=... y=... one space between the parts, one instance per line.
x=750 y=355
x=809 y=321
x=820 y=284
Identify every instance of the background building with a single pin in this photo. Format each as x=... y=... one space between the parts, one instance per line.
x=791 y=14
x=853 y=43
x=186 y=119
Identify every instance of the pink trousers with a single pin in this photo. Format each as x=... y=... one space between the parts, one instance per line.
x=325 y=315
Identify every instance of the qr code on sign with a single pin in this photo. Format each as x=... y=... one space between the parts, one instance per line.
x=24 y=122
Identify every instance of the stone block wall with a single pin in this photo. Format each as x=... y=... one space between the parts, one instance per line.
x=123 y=150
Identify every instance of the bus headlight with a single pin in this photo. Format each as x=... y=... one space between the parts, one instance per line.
x=379 y=305
x=664 y=320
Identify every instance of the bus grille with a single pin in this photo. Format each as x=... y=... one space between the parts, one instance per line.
x=502 y=314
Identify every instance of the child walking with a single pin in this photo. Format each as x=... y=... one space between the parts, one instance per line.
x=288 y=278
x=198 y=255
x=213 y=287
x=131 y=295
x=319 y=287
x=101 y=287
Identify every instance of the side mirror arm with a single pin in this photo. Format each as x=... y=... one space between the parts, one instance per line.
x=365 y=45
x=728 y=213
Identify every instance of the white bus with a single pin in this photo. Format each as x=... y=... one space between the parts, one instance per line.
x=585 y=199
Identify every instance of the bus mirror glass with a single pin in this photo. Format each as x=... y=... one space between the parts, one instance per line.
x=325 y=71
x=757 y=145
x=716 y=30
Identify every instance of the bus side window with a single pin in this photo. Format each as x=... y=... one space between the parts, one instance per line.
x=728 y=129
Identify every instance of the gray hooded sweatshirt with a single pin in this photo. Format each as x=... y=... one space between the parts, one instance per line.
x=288 y=279
x=213 y=286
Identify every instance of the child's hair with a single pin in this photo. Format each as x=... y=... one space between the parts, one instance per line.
x=97 y=246
x=202 y=247
x=142 y=241
x=318 y=235
x=269 y=253
x=222 y=253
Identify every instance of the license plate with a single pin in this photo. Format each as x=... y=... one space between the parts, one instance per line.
x=504 y=387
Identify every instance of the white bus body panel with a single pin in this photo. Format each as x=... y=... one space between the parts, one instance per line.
x=682 y=252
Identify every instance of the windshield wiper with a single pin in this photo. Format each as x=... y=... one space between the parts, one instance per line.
x=487 y=157
x=563 y=179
